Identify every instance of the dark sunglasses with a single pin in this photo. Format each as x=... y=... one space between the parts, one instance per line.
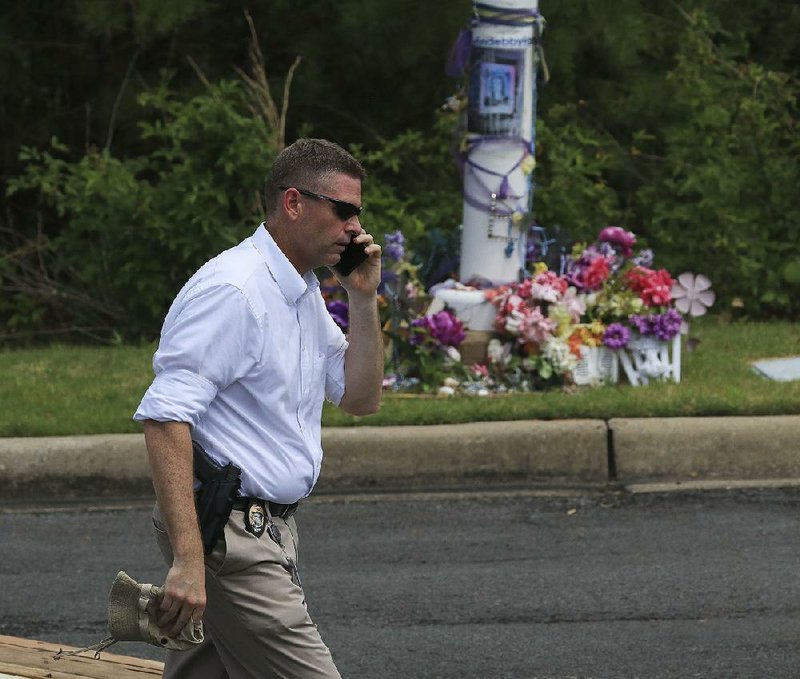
x=342 y=209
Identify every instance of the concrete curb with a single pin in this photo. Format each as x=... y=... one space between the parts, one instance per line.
x=623 y=451
x=74 y=466
x=452 y=454
x=706 y=447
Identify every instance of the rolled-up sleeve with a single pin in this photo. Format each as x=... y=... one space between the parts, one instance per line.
x=209 y=340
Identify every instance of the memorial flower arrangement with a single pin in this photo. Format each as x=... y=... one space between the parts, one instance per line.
x=606 y=295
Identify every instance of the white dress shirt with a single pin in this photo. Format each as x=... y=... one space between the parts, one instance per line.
x=248 y=352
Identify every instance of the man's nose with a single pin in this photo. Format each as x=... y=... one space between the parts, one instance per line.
x=353 y=225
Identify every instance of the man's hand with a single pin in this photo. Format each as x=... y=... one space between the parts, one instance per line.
x=169 y=448
x=184 y=598
x=365 y=278
x=363 y=362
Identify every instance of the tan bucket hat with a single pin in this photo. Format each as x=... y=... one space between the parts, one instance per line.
x=129 y=619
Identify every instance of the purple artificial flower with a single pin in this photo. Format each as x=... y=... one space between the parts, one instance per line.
x=340 y=312
x=603 y=249
x=419 y=328
x=394 y=247
x=532 y=252
x=442 y=327
x=668 y=325
x=446 y=329
x=588 y=272
x=644 y=324
x=616 y=336
x=663 y=326
x=644 y=259
x=389 y=283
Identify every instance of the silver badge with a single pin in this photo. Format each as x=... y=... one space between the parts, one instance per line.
x=255 y=519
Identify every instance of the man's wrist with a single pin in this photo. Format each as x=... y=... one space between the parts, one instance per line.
x=366 y=300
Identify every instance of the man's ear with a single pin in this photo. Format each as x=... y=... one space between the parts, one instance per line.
x=291 y=204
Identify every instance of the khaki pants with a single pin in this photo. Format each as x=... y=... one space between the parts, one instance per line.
x=256 y=622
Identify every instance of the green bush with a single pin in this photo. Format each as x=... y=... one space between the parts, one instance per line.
x=574 y=162
x=132 y=230
x=723 y=198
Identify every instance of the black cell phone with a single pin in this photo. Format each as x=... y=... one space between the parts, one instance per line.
x=352 y=256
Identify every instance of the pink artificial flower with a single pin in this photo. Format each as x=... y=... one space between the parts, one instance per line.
x=524 y=288
x=553 y=280
x=535 y=327
x=575 y=306
x=547 y=286
x=616 y=235
x=545 y=293
x=513 y=303
x=497 y=295
x=479 y=370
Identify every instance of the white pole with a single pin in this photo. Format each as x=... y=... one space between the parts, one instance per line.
x=498 y=158
x=499 y=140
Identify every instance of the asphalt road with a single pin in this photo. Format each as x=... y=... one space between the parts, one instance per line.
x=481 y=585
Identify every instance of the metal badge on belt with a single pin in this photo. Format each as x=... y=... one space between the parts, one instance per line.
x=255 y=518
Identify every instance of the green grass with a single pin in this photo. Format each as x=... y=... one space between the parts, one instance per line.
x=64 y=390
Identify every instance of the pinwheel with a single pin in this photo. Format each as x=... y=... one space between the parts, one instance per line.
x=692 y=294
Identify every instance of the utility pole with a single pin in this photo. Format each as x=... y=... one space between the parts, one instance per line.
x=497 y=151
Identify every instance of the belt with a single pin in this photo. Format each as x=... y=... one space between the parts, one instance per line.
x=276 y=509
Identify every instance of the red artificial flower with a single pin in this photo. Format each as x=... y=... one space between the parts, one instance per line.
x=653 y=287
x=524 y=288
x=637 y=278
x=595 y=274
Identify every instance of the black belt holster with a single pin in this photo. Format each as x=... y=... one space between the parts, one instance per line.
x=214 y=499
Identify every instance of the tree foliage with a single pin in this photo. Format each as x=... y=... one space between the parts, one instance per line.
x=134 y=228
x=724 y=199
x=677 y=120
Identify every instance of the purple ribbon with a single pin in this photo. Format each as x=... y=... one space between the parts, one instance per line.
x=503 y=192
x=459 y=54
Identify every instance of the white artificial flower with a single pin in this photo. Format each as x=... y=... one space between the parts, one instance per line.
x=498 y=352
x=412 y=291
x=557 y=352
x=513 y=324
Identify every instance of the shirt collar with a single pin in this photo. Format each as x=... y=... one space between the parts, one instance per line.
x=292 y=285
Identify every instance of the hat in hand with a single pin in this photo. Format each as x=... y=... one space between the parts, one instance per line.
x=130 y=619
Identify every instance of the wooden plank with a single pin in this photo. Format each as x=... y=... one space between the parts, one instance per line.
x=34 y=660
x=32 y=672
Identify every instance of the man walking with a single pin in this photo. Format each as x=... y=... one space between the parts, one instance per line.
x=246 y=357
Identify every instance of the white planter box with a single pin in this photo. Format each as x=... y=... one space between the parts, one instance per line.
x=647 y=358
x=597 y=365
